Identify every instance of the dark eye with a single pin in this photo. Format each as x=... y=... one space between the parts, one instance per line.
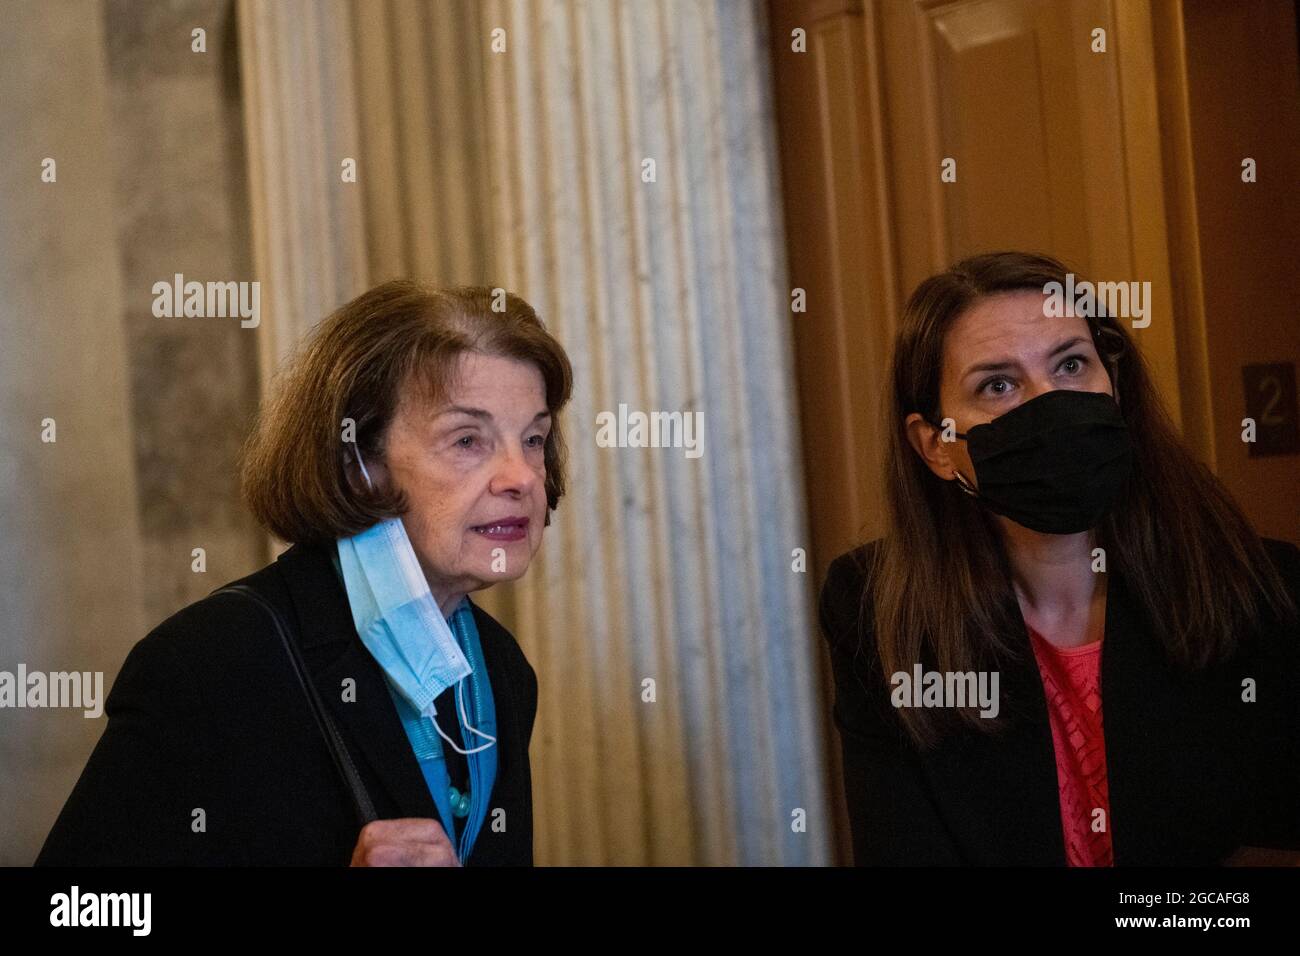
x=537 y=441
x=465 y=441
x=1076 y=363
x=987 y=386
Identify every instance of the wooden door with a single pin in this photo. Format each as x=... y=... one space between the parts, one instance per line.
x=1081 y=128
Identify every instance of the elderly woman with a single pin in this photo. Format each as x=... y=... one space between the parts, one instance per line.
x=1052 y=541
x=348 y=702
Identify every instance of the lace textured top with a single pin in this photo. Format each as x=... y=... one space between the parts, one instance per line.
x=1072 y=686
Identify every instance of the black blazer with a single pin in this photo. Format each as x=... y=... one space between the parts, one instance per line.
x=1193 y=772
x=206 y=713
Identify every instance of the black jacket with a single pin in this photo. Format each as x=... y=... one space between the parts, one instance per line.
x=207 y=714
x=1193 y=772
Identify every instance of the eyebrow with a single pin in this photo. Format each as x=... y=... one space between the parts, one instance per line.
x=482 y=413
x=999 y=366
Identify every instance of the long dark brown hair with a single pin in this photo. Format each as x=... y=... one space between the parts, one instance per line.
x=940 y=580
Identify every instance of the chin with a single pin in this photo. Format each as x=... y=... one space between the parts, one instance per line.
x=514 y=571
x=482 y=585
x=512 y=575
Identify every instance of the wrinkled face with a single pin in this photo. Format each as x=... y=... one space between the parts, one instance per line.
x=473 y=472
x=1002 y=352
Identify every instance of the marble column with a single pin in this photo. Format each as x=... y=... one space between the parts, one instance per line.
x=301 y=127
x=670 y=295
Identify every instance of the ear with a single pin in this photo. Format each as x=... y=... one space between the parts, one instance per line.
x=374 y=467
x=927 y=441
x=356 y=481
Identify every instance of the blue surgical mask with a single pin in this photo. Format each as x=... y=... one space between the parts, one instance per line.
x=395 y=614
x=400 y=623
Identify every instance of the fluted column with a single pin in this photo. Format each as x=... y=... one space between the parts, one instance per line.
x=421 y=107
x=670 y=295
x=308 y=230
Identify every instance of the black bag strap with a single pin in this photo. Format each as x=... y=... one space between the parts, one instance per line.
x=333 y=739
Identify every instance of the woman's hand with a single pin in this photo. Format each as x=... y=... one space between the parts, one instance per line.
x=408 y=841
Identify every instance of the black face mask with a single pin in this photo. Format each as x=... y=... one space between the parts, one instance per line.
x=1053 y=464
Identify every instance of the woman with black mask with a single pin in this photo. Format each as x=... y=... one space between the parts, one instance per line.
x=1051 y=541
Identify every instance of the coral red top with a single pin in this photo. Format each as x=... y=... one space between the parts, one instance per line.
x=1072 y=686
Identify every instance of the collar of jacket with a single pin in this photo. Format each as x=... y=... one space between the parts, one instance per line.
x=334 y=653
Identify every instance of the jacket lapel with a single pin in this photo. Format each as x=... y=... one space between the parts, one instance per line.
x=1156 y=726
x=998 y=791
x=334 y=653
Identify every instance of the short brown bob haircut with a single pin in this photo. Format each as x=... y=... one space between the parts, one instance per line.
x=356 y=365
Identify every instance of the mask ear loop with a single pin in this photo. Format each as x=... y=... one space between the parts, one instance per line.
x=464 y=722
x=357 y=451
x=1101 y=336
x=962 y=483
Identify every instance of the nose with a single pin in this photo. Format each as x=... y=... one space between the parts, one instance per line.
x=1038 y=384
x=1035 y=388
x=513 y=475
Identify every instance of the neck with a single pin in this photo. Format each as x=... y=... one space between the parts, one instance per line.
x=1052 y=573
x=448 y=602
x=445 y=590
